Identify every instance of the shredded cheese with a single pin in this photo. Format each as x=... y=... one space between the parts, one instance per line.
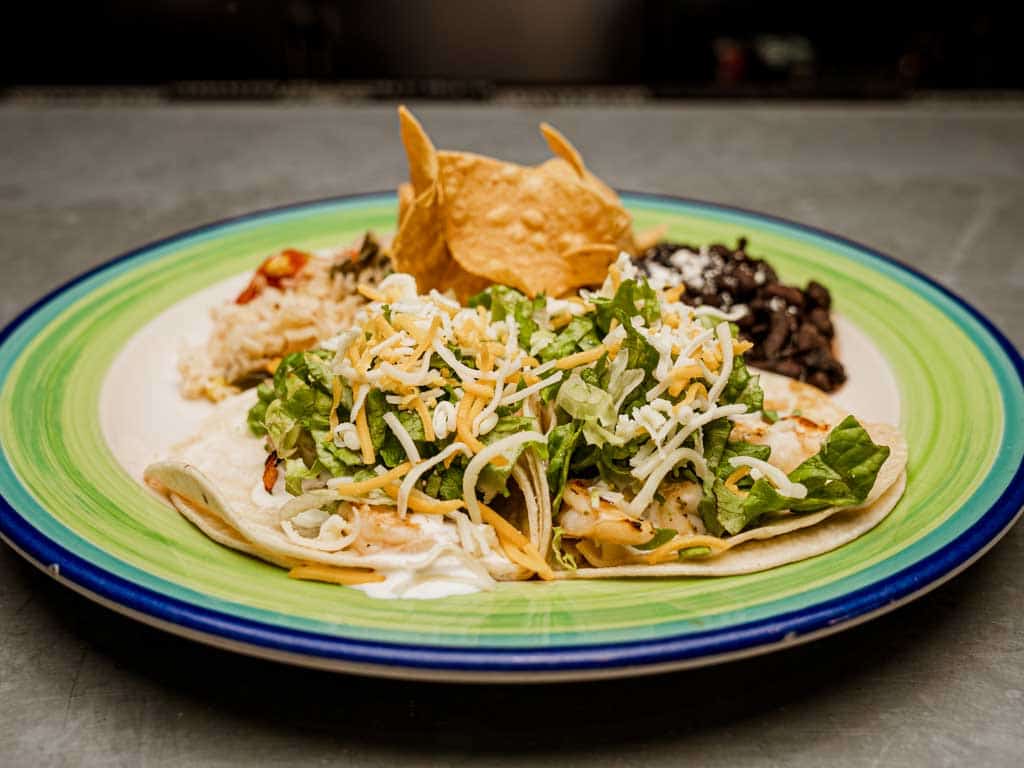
x=581 y=358
x=418 y=501
x=738 y=474
x=421 y=410
x=482 y=458
x=365 y=443
x=525 y=554
x=334 y=575
x=524 y=393
x=643 y=499
x=371 y=293
x=672 y=295
x=404 y=438
x=332 y=419
x=409 y=483
x=479 y=389
x=363 y=487
x=776 y=476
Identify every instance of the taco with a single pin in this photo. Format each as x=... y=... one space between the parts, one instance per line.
x=686 y=531
x=368 y=459
x=667 y=456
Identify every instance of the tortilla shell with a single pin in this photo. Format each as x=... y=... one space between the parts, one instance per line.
x=218 y=499
x=760 y=555
x=791 y=537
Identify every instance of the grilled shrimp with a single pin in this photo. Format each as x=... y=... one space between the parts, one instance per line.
x=582 y=518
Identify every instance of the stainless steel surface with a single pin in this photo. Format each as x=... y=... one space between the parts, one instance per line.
x=940 y=682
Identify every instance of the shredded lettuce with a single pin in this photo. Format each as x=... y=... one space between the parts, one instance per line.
x=577 y=336
x=661 y=536
x=632 y=298
x=564 y=559
x=841 y=474
x=586 y=402
x=295 y=471
x=561 y=443
x=494 y=480
x=743 y=387
x=690 y=553
x=503 y=302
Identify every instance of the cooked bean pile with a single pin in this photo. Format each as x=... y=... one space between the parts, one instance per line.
x=790 y=327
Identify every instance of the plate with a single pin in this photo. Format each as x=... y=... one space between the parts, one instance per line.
x=87 y=398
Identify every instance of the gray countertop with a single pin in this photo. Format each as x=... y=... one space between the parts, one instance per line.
x=939 y=682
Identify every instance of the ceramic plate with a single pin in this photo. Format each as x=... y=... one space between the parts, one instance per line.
x=87 y=398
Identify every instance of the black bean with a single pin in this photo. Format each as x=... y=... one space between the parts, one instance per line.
x=808 y=337
x=819 y=316
x=789 y=368
x=818 y=294
x=820 y=380
x=777 y=335
x=787 y=293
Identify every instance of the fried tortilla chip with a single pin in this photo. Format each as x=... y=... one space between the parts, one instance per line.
x=467 y=220
x=515 y=225
x=419 y=150
x=420 y=248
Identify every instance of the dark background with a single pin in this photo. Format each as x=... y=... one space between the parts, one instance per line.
x=483 y=50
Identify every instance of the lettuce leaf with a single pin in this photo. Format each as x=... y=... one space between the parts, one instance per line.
x=564 y=559
x=450 y=482
x=841 y=474
x=561 y=444
x=337 y=460
x=661 y=536
x=503 y=302
x=295 y=471
x=577 y=336
x=282 y=429
x=691 y=553
x=632 y=298
x=376 y=406
x=494 y=480
x=743 y=388
x=586 y=402
x=256 y=417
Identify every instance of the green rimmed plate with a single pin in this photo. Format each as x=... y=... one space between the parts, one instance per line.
x=87 y=399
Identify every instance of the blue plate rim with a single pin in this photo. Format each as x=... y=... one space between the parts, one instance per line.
x=369 y=655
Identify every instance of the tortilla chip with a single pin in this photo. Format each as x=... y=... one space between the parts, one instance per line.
x=420 y=249
x=469 y=220
x=406 y=197
x=563 y=148
x=419 y=150
x=512 y=224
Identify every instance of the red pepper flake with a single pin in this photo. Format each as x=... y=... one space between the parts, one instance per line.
x=270 y=471
x=272 y=271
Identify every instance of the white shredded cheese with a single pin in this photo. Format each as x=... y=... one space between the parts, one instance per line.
x=525 y=392
x=414 y=474
x=478 y=462
x=650 y=465
x=641 y=501
x=443 y=420
x=785 y=486
x=725 y=341
x=403 y=437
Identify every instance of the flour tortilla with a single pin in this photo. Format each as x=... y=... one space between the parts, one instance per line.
x=793 y=537
x=218 y=499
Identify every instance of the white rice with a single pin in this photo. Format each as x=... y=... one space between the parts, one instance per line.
x=309 y=308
